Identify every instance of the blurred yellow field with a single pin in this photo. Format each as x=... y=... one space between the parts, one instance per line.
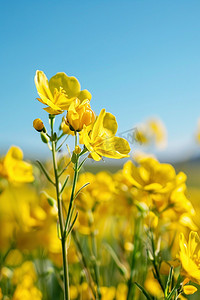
x=67 y=233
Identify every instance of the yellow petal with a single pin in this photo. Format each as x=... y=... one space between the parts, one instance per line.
x=193 y=242
x=110 y=124
x=114 y=147
x=189 y=289
x=87 y=142
x=131 y=173
x=153 y=187
x=98 y=125
x=69 y=84
x=42 y=85
x=85 y=94
x=49 y=103
x=53 y=111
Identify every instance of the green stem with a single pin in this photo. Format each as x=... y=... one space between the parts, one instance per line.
x=94 y=254
x=60 y=214
x=130 y=294
x=84 y=262
x=155 y=265
x=67 y=224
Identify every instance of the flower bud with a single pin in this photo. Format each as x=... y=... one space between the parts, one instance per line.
x=38 y=125
x=44 y=137
x=80 y=114
x=77 y=149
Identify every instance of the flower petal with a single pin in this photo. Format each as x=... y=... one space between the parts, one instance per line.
x=189 y=289
x=110 y=124
x=42 y=85
x=69 y=84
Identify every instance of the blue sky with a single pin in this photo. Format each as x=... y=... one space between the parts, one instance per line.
x=138 y=59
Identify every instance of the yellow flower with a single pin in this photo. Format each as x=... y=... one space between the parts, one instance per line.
x=152 y=286
x=150 y=175
x=80 y=114
x=151 y=132
x=14 y=168
x=73 y=292
x=59 y=92
x=158 y=132
x=121 y=292
x=27 y=269
x=189 y=256
x=107 y=293
x=101 y=140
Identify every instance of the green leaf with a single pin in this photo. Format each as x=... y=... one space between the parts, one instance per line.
x=169 y=281
x=169 y=297
x=62 y=143
x=64 y=169
x=72 y=225
x=81 y=164
x=143 y=291
x=45 y=172
x=114 y=256
x=64 y=185
x=80 y=190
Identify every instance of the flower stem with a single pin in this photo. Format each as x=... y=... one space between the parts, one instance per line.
x=130 y=294
x=94 y=255
x=83 y=260
x=70 y=209
x=60 y=214
x=155 y=264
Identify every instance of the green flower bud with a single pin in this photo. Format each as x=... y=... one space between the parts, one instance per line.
x=44 y=137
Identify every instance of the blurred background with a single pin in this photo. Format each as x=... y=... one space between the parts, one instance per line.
x=139 y=59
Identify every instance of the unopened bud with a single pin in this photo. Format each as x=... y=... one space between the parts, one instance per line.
x=38 y=125
x=44 y=137
x=79 y=114
x=77 y=149
x=51 y=201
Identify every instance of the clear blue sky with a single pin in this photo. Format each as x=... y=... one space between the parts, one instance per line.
x=137 y=58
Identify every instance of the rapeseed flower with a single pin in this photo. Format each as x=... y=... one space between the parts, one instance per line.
x=101 y=140
x=59 y=92
x=189 y=256
x=152 y=132
x=14 y=169
x=79 y=114
x=150 y=175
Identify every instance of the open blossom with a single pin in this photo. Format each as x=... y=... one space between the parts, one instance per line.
x=25 y=278
x=101 y=140
x=152 y=175
x=80 y=114
x=158 y=185
x=14 y=168
x=59 y=92
x=189 y=256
